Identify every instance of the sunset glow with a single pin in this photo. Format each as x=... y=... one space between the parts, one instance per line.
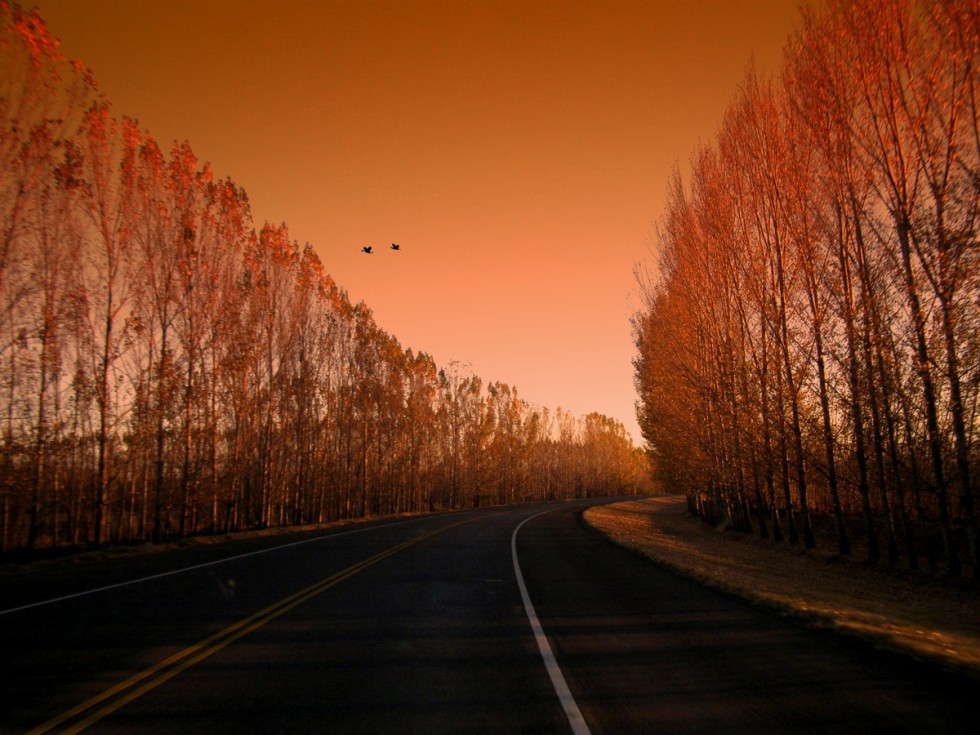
x=433 y=365
x=518 y=151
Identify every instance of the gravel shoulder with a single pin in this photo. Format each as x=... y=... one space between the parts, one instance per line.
x=929 y=619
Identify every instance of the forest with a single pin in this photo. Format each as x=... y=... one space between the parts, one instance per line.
x=808 y=350
x=169 y=368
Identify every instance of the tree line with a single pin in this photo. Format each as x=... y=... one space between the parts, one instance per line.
x=167 y=368
x=809 y=344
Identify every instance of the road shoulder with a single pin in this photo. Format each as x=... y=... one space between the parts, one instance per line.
x=925 y=618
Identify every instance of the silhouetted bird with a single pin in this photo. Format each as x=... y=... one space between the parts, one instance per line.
x=366 y=250
x=395 y=246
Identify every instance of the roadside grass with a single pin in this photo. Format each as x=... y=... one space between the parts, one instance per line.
x=928 y=618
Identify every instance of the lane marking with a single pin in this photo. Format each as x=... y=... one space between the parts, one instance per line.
x=172 y=572
x=568 y=703
x=161 y=672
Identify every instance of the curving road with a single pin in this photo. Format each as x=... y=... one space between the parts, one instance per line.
x=420 y=626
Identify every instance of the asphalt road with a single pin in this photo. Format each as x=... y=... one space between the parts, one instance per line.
x=419 y=626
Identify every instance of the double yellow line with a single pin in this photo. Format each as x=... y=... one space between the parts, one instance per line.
x=90 y=711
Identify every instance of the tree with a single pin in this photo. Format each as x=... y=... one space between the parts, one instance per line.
x=830 y=241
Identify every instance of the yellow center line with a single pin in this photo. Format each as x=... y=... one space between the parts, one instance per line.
x=170 y=667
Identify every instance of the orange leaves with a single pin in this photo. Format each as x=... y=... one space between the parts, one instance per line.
x=32 y=32
x=797 y=271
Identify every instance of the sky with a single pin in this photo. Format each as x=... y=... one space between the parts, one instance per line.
x=517 y=151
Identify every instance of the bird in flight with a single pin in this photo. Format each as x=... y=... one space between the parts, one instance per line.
x=366 y=249
x=395 y=246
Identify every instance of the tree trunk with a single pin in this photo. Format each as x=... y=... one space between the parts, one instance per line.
x=929 y=396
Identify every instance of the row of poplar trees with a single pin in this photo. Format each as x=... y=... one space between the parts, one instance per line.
x=167 y=369
x=809 y=344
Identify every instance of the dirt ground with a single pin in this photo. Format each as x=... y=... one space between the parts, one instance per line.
x=927 y=618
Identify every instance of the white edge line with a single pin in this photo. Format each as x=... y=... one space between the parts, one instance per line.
x=199 y=566
x=568 y=703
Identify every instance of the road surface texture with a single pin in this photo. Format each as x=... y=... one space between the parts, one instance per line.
x=420 y=626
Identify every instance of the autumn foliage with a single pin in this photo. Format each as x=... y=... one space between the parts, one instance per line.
x=809 y=347
x=167 y=368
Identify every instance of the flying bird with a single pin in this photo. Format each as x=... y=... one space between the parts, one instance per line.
x=395 y=246
x=366 y=250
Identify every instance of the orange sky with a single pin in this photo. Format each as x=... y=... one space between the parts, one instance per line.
x=518 y=151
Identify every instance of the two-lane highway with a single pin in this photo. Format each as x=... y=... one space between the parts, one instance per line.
x=419 y=626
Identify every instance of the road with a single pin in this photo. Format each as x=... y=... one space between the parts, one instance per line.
x=419 y=626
